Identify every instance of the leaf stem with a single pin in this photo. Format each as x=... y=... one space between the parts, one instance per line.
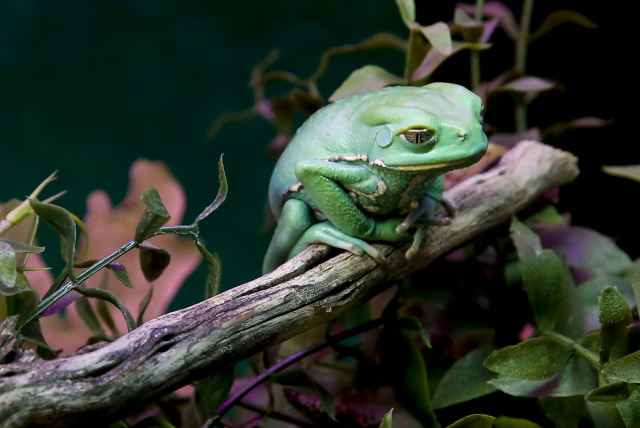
x=522 y=43
x=80 y=278
x=592 y=357
x=475 y=55
x=235 y=399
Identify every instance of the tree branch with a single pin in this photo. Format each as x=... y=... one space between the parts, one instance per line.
x=116 y=378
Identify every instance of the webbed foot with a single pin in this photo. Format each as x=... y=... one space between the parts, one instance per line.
x=327 y=233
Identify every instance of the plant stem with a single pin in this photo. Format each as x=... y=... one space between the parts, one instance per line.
x=235 y=399
x=522 y=43
x=579 y=349
x=475 y=55
x=80 y=278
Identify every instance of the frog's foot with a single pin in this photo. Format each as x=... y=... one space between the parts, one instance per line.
x=327 y=233
x=418 y=237
x=424 y=215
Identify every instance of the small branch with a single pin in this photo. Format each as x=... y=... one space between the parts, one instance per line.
x=173 y=350
x=227 y=405
x=522 y=43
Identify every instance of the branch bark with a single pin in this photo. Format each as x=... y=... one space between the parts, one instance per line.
x=116 y=378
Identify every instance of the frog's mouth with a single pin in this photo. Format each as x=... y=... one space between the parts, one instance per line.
x=454 y=164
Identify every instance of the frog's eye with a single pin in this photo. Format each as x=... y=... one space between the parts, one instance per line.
x=483 y=110
x=419 y=136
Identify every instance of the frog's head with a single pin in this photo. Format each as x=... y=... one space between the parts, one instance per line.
x=435 y=127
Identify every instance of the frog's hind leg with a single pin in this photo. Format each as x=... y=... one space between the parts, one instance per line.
x=296 y=217
x=327 y=233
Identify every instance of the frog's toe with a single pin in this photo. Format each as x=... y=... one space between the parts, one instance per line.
x=326 y=233
x=418 y=237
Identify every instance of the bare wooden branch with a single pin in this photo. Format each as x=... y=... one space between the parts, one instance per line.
x=177 y=348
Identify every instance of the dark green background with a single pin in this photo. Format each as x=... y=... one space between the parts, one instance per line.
x=89 y=87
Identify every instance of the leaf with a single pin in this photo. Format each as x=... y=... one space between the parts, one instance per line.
x=144 y=303
x=548 y=284
x=154 y=217
x=465 y=380
x=111 y=298
x=612 y=393
x=474 y=421
x=407 y=10
x=386 y=421
x=615 y=315
x=8 y=272
x=630 y=410
x=83 y=229
x=434 y=58
x=564 y=411
x=61 y=221
x=589 y=294
x=505 y=422
x=560 y=17
x=23 y=232
x=625 y=369
x=528 y=84
x=404 y=367
x=535 y=359
x=581 y=122
x=302 y=379
x=120 y=272
x=363 y=79
x=215 y=269
x=220 y=197
x=627 y=171
x=88 y=315
x=153 y=261
x=439 y=36
x=20 y=247
x=214 y=389
x=61 y=303
x=577 y=378
x=585 y=249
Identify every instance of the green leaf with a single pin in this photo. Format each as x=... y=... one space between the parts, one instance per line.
x=8 y=272
x=474 y=421
x=220 y=197
x=83 y=229
x=23 y=232
x=615 y=315
x=505 y=422
x=560 y=17
x=20 y=247
x=120 y=272
x=465 y=380
x=548 y=214
x=61 y=221
x=214 y=389
x=99 y=293
x=407 y=10
x=578 y=378
x=363 y=79
x=625 y=369
x=215 y=269
x=154 y=217
x=404 y=367
x=589 y=293
x=627 y=171
x=105 y=315
x=630 y=410
x=143 y=306
x=564 y=411
x=535 y=359
x=612 y=393
x=387 y=421
x=88 y=315
x=439 y=36
x=153 y=261
x=548 y=284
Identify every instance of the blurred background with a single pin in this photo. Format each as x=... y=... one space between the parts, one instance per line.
x=89 y=87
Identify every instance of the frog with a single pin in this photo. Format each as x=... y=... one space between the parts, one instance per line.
x=370 y=167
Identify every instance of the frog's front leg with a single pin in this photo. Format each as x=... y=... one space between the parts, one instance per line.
x=294 y=220
x=325 y=182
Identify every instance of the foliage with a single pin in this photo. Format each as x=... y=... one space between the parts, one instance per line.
x=526 y=326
